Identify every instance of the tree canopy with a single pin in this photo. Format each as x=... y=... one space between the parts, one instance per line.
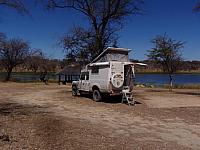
x=197 y=7
x=12 y=53
x=105 y=18
x=14 y=4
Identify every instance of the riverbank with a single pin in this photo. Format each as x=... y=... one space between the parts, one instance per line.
x=180 y=80
x=160 y=72
x=28 y=76
x=138 y=72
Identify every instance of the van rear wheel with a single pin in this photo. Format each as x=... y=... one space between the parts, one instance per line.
x=96 y=96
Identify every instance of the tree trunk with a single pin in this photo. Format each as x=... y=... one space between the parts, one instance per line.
x=9 y=71
x=170 y=82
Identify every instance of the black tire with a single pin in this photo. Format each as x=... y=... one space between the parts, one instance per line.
x=96 y=96
x=81 y=93
x=74 y=91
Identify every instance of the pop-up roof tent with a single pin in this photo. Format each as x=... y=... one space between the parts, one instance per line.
x=113 y=54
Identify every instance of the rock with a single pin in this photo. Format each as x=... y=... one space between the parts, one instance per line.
x=151 y=86
x=4 y=137
x=140 y=85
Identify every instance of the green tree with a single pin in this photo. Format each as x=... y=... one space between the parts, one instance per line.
x=167 y=53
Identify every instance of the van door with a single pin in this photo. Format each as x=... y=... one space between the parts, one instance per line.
x=85 y=84
x=129 y=76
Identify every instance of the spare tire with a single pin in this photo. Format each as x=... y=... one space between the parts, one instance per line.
x=117 y=80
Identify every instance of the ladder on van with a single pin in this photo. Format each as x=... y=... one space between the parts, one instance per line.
x=127 y=97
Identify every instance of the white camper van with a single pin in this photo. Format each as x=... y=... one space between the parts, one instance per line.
x=109 y=74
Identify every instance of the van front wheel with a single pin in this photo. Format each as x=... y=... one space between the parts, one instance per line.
x=74 y=91
x=96 y=96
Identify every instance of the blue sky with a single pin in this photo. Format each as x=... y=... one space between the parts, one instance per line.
x=175 y=17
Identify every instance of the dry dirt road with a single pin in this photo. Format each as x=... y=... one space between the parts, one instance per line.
x=36 y=116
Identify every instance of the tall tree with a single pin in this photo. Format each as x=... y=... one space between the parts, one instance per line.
x=14 y=4
x=167 y=53
x=197 y=7
x=35 y=60
x=13 y=53
x=2 y=40
x=105 y=17
x=78 y=43
x=2 y=37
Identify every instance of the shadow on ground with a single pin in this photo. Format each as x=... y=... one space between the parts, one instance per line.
x=18 y=109
x=29 y=127
x=105 y=99
x=189 y=93
x=176 y=92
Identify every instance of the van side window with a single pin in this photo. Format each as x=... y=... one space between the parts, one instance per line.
x=87 y=75
x=82 y=76
x=95 y=70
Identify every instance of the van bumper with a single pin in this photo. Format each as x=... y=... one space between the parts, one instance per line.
x=115 y=93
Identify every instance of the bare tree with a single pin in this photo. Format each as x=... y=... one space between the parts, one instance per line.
x=79 y=44
x=167 y=53
x=197 y=7
x=105 y=17
x=2 y=37
x=13 y=53
x=2 y=40
x=35 y=60
x=15 y=4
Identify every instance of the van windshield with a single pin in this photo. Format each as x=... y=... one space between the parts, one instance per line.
x=84 y=76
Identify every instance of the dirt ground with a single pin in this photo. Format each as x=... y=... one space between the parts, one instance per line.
x=36 y=116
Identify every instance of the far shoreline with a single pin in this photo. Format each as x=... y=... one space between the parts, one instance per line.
x=137 y=72
x=159 y=72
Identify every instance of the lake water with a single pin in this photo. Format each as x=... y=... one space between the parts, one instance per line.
x=157 y=79
x=160 y=79
x=21 y=77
